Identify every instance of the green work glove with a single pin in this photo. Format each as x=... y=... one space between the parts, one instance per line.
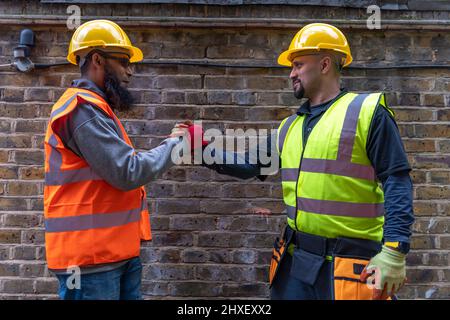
x=386 y=273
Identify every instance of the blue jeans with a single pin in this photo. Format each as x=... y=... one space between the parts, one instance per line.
x=123 y=283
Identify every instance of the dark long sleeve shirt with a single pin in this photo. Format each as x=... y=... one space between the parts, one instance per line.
x=385 y=151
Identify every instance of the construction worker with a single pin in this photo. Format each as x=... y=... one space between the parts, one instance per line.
x=95 y=205
x=346 y=236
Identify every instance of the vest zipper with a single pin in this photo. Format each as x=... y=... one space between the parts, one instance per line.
x=304 y=148
x=296 y=185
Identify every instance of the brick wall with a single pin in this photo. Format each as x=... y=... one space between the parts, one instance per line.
x=207 y=240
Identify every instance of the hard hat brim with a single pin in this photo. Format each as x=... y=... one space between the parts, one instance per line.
x=285 y=58
x=136 y=54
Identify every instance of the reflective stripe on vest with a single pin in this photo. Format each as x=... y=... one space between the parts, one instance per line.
x=336 y=208
x=67 y=104
x=55 y=176
x=291 y=211
x=91 y=221
x=87 y=221
x=58 y=177
x=339 y=208
x=284 y=130
x=340 y=166
x=349 y=128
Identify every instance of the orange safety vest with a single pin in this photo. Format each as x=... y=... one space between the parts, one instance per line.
x=87 y=221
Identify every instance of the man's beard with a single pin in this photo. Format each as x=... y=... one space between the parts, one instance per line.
x=118 y=97
x=300 y=93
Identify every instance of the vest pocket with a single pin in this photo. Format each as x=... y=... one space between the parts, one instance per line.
x=306 y=266
x=347 y=283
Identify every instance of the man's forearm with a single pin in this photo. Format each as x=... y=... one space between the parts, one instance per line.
x=239 y=167
x=134 y=170
x=399 y=215
x=153 y=162
x=117 y=162
x=256 y=162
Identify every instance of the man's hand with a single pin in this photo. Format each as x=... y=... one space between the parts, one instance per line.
x=195 y=136
x=387 y=273
x=179 y=130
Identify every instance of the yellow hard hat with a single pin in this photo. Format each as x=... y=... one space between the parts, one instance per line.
x=98 y=34
x=314 y=37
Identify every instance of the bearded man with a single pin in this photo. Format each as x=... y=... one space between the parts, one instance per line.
x=95 y=205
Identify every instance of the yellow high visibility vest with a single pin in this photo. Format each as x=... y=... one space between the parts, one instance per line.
x=329 y=187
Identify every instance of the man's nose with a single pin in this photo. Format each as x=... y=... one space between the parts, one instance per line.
x=293 y=74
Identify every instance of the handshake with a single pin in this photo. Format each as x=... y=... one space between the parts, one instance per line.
x=192 y=132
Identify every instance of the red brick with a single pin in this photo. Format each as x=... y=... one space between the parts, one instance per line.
x=9 y=236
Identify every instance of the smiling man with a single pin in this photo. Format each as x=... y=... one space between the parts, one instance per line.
x=345 y=180
x=95 y=205
x=343 y=227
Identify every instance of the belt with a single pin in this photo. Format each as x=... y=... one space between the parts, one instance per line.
x=341 y=246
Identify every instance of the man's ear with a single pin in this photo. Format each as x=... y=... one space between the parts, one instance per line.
x=97 y=60
x=325 y=64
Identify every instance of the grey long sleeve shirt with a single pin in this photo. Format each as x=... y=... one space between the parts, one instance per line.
x=94 y=136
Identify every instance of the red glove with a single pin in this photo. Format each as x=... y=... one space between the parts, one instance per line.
x=196 y=135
